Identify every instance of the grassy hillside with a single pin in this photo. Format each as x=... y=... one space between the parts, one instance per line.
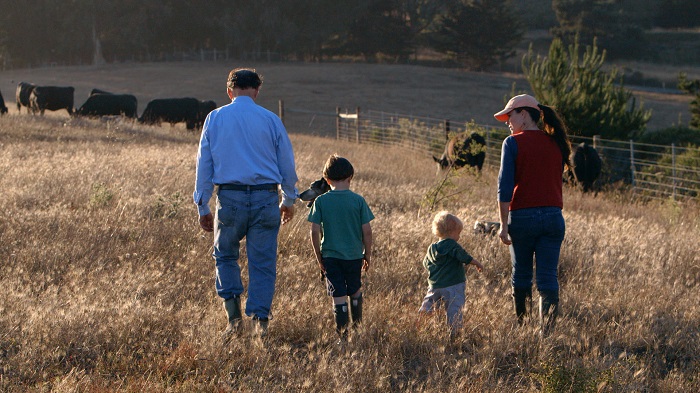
x=108 y=283
x=404 y=89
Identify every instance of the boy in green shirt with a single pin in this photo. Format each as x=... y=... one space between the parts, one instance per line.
x=444 y=262
x=341 y=236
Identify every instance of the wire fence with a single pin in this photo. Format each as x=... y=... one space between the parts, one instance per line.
x=651 y=171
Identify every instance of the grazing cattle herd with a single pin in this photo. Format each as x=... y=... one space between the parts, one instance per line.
x=462 y=150
x=587 y=166
x=108 y=104
x=38 y=99
x=189 y=110
x=51 y=98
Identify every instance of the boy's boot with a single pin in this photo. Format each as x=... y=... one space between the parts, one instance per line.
x=233 y=312
x=356 y=310
x=341 y=319
x=549 y=310
x=520 y=300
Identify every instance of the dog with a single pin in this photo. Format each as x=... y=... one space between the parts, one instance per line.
x=486 y=227
x=318 y=187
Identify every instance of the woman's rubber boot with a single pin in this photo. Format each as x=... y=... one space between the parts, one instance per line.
x=549 y=310
x=341 y=320
x=520 y=300
x=356 y=310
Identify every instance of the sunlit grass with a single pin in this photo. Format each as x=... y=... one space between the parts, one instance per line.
x=108 y=282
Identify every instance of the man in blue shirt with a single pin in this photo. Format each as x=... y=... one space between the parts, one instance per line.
x=245 y=150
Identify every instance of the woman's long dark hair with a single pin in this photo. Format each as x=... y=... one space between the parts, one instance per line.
x=553 y=125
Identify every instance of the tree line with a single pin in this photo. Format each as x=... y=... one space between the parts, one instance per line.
x=475 y=34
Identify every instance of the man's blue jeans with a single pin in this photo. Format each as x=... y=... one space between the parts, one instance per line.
x=254 y=215
x=536 y=232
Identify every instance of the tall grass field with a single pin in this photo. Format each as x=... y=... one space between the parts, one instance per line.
x=107 y=281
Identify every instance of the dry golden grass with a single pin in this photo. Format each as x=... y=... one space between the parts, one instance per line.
x=108 y=282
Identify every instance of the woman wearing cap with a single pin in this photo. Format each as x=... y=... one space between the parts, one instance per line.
x=530 y=201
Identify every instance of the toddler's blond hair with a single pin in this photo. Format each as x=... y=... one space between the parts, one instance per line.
x=445 y=223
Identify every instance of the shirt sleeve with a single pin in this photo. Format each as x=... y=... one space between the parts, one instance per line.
x=314 y=214
x=285 y=159
x=366 y=213
x=461 y=254
x=204 y=183
x=506 y=175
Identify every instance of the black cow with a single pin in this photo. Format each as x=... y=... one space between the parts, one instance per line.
x=204 y=108
x=318 y=187
x=99 y=91
x=463 y=150
x=3 y=108
x=171 y=110
x=51 y=98
x=108 y=105
x=24 y=89
x=587 y=165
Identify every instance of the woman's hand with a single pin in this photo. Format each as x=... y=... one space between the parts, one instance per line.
x=503 y=235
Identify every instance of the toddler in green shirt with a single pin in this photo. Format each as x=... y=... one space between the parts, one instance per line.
x=446 y=262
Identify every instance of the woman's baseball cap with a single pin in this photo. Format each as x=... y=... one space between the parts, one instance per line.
x=520 y=101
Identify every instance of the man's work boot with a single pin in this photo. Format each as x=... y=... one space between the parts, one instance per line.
x=233 y=311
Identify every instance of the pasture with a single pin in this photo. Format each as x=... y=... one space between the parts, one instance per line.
x=108 y=283
x=411 y=90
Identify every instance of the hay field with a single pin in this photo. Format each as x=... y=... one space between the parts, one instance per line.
x=107 y=283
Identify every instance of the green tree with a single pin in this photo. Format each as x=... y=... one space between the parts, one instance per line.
x=478 y=34
x=591 y=101
x=378 y=28
x=607 y=21
x=692 y=88
x=678 y=14
x=309 y=26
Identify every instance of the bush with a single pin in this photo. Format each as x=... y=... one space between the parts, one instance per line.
x=678 y=135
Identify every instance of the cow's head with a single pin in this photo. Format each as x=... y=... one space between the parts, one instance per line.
x=442 y=162
x=318 y=187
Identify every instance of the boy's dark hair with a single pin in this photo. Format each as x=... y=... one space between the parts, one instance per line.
x=338 y=168
x=244 y=78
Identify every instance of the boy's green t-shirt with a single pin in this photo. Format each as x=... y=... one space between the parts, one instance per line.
x=444 y=262
x=341 y=215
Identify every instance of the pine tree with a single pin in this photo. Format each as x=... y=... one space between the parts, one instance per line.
x=592 y=101
x=692 y=88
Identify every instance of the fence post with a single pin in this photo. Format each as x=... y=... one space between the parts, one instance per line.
x=596 y=141
x=488 y=145
x=357 y=125
x=337 y=122
x=632 y=169
x=281 y=110
x=673 y=161
x=447 y=129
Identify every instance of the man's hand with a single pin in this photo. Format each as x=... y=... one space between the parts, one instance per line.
x=287 y=212
x=207 y=222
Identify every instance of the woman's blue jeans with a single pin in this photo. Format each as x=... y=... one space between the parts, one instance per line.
x=536 y=232
x=254 y=215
